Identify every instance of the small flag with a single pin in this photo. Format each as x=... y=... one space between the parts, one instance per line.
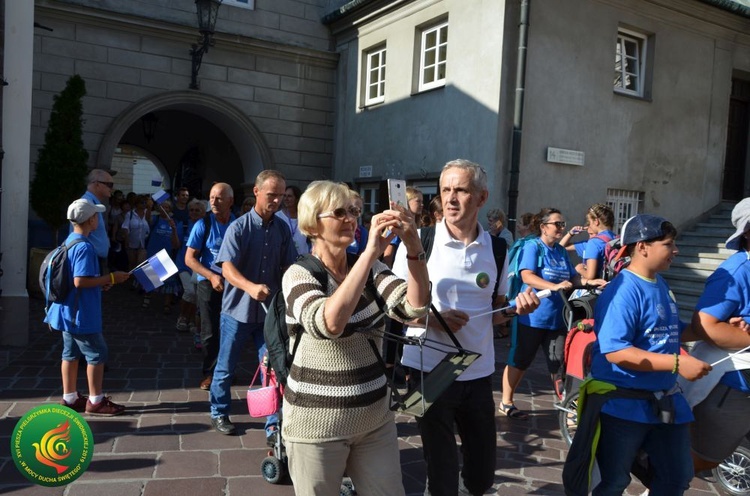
x=160 y=196
x=154 y=271
x=156 y=181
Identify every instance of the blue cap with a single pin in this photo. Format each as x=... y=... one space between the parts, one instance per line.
x=643 y=227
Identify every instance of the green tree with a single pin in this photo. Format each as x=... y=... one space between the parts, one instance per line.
x=61 y=167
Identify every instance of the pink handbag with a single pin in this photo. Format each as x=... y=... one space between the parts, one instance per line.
x=266 y=400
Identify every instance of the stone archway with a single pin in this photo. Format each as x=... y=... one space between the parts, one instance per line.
x=254 y=153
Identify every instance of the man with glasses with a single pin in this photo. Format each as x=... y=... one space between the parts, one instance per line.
x=98 y=189
x=256 y=250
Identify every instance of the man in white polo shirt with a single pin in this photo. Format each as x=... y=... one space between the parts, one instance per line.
x=463 y=272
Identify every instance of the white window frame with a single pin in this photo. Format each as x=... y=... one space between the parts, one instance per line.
x=440 y=41
x=634 y=66
x=375 y=60
x=243 y=4
x=370 y=193
x=625 y=204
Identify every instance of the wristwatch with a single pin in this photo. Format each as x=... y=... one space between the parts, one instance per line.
x=420 y=256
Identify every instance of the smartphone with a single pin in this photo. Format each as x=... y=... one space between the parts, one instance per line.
x=397 y=192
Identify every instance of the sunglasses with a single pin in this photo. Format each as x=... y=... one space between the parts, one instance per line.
x=341 y=213
x=559 y=224
x=107 y=184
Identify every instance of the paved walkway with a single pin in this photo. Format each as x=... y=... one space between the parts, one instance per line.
x=164 y=444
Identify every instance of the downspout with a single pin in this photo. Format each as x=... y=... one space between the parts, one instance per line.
x=515 y=147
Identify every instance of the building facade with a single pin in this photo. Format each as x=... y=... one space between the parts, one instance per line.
x=626 y=101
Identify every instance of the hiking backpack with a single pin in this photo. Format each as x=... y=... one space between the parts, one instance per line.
x=54 y=274
x=615 y=257
x=515 y=282
x=275 y=329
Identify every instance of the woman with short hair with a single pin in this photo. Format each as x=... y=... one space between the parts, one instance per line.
x=336 y=404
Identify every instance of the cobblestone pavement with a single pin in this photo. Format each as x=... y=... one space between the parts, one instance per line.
x=164 y=444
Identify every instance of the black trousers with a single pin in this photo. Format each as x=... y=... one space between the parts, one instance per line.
x=469 y=406
x=209 y=306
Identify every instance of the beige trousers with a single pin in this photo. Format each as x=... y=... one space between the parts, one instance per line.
x=371 y=460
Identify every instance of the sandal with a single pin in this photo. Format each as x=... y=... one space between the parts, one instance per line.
x=511 y=411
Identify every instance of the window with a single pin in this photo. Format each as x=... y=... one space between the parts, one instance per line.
x=375 y=76
x=369 y=194
x=245 y=4
x=630 y=63
x=624 y=204
x=433 y=53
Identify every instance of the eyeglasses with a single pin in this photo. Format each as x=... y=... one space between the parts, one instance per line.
x=341 y=213
x=559 y=224
x=107 y=184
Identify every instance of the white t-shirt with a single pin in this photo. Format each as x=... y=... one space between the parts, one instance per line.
x=463 y=278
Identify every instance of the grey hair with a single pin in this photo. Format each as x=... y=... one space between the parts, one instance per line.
x=478 y=174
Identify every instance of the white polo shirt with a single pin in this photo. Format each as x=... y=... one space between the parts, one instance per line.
x=463 y=278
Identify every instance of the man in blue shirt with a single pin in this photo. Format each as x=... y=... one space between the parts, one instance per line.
x=79 y=316
x=202 y=248
x=257 y=248
x=98 y=190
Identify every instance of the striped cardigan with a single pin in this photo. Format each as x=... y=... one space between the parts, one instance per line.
x=336 y=388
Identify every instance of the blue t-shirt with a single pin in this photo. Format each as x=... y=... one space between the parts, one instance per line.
x=83 y=262
x=360 y=241
x=594 y=249
x=633 y=311
x=727 y=294
x=184 y=233
x=259 y=251
x=213 y=243
x=161 y=237
x=555 y=268
x=99 y=238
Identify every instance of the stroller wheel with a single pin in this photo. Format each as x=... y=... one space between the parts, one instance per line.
x=272 y=469
x=568 y=417
x=733 y=474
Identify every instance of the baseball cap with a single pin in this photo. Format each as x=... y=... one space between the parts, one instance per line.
x=82 y=210
x=741 y=222
x=642 y=227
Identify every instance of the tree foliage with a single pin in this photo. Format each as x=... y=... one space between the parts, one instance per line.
x=61 y=166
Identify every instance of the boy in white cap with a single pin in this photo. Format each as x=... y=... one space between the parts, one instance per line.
x=79 y=316
x=721 y=402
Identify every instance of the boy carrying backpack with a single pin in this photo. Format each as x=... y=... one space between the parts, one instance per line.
x=78 y=316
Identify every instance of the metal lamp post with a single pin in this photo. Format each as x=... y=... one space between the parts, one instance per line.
x=207 y=13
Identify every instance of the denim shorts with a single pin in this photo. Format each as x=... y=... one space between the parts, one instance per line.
x=90 y=346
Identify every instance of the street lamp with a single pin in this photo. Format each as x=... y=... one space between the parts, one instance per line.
x=149 y=122
x=207 y=12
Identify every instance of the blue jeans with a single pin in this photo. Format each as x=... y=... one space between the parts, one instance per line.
x=234 y=336
x=668 y=448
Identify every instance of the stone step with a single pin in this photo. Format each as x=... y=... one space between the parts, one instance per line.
x=691 y=251
x=714 y=229
x=689 y=274
x=679 y=286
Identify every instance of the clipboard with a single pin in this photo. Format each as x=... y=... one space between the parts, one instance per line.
x=416 y=401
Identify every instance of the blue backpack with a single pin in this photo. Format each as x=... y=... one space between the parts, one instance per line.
x=515 y=283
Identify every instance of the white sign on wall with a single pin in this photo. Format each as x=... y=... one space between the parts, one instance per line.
x=562 y=156
x=365 y=171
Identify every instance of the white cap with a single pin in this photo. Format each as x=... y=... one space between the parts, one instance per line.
x=82 y=210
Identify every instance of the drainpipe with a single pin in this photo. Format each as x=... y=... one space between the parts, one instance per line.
x=515 y=147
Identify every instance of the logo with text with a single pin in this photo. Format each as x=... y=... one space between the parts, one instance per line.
x=52 y=445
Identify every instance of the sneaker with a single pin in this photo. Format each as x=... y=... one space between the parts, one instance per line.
x=182 y=324
x=104 y=408
x=79 y=405
x=197 y=341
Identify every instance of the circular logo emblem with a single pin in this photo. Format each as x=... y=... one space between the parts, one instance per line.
x=52 y=445
x=483 y=280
